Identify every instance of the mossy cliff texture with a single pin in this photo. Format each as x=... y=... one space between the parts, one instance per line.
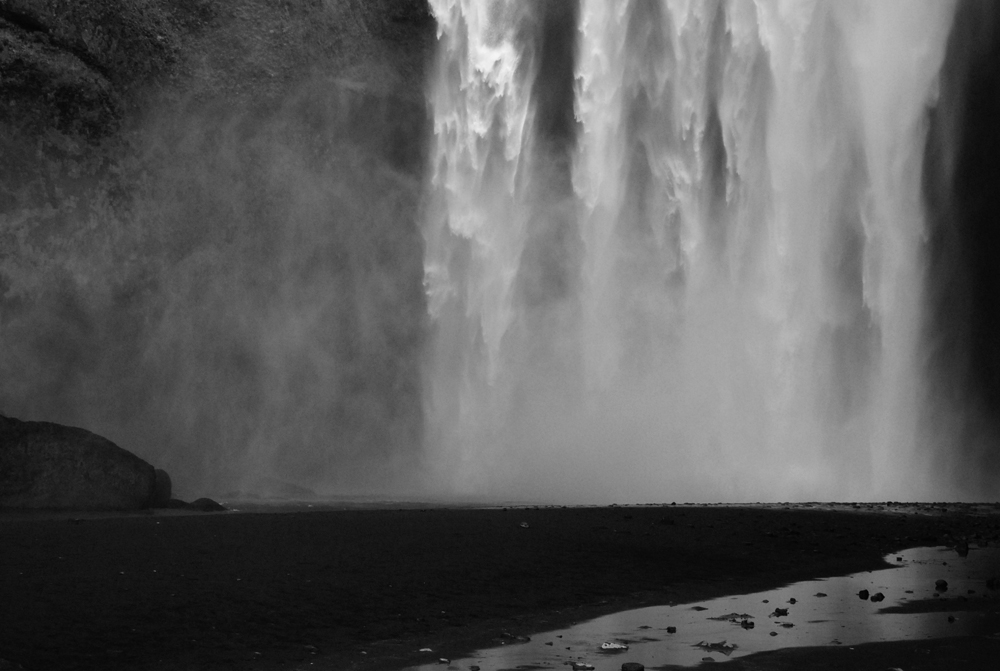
x=209 y=250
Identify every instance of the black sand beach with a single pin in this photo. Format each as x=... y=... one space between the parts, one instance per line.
x=366 y=589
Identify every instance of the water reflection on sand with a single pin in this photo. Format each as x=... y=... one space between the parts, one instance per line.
x=819 y=613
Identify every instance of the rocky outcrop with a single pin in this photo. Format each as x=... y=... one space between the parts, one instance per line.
x=73 y=66
x=50 y=466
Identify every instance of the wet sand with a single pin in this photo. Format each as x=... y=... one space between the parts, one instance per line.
x=366 y=589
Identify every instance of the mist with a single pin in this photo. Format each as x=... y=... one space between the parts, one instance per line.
x=230 y=285
x=555 y=251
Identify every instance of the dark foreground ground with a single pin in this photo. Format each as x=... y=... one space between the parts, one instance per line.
x=365 y=589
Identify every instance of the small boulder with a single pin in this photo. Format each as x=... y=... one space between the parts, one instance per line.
x=204 y=505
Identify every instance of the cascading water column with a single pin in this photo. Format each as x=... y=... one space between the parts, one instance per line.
x=475 y=226
x=739 y=309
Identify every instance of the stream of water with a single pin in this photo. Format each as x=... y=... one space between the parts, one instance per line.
x=840 y=611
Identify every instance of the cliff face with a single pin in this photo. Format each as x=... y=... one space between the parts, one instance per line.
x=208 y=241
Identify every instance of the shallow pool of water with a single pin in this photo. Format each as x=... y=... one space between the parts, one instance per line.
x=914 y=606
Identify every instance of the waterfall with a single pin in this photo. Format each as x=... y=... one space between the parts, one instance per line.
x=696 y=276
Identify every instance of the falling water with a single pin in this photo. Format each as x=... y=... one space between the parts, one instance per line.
x=697 y=274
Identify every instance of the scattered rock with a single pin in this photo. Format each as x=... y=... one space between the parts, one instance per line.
x=941 y=585
x=723 y=647
x=671 y=630
x=878 y=596
x=779 y=612
x=820 y=594
x=732 y=617
x=509 y=637
x=863 y=595
x=613 y=646
x=633 y=666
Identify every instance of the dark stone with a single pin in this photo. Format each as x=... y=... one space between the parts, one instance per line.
x=878 y=596
x=161 y=490
x=863 y=595
x=207 y=505
x=633 y=666
x=51 y=466
x=73 y=66
x=204 y=505
x=941 y=585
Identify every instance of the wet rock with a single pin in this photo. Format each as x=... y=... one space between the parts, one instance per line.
x=722 y=647
x=863 y=595
x=51 y=466
x=203 y=505
x=508 y=637
x=74 y=65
